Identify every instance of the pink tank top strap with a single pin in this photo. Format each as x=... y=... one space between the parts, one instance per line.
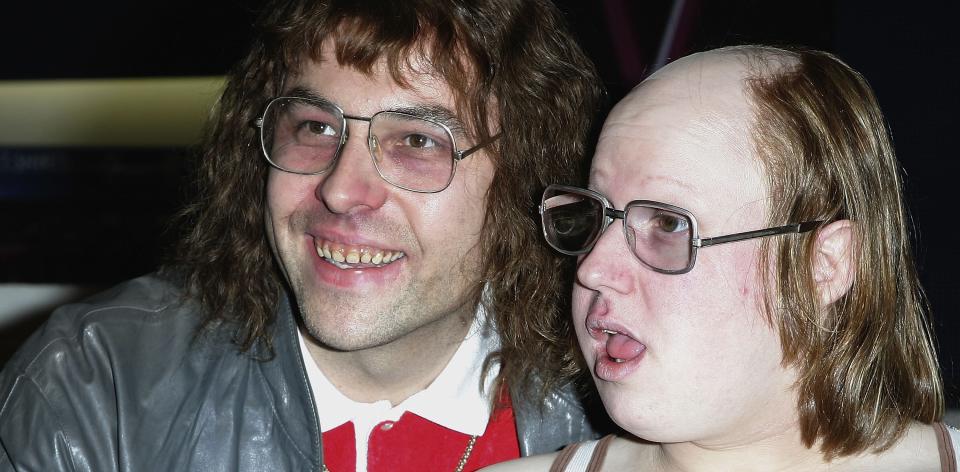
x=948 y=457
x=600 y=453
x=563 y=459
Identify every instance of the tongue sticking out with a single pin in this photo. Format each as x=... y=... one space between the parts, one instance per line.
x=623 y=348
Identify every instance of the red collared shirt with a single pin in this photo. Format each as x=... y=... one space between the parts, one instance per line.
x=434 y=424
x=417 y=444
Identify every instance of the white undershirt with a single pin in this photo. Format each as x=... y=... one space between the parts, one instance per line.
x=453 y=400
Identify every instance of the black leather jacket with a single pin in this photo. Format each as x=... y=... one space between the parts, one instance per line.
x=121 y=382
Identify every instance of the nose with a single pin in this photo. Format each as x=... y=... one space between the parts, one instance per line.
x=610 y=264
x=353 y=184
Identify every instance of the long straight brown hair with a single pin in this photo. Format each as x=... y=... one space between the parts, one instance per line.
x=867 y=363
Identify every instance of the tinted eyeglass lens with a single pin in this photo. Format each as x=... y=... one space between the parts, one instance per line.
x=571 y=221
x=411 y=152
x=659 y=238
x=302 y=136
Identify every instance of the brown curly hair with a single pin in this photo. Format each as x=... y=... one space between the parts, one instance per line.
x=507 y=60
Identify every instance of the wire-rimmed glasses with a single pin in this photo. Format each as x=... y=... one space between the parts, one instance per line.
x=306 y=135
x=663 y=237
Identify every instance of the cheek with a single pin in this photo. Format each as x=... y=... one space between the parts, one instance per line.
x=277 y=193
x=727 y=326
x=445 y=226
x=454 y=218
x=718 y=296
x=735 y=274
x=580 y=303
x=273 y=207
x=747 y=286
x=285 y=193
x=477 y=189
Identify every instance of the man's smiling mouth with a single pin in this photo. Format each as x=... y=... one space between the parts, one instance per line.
x=347 y=256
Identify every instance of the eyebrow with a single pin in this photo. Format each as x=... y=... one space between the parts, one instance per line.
x=436 y=113
x=302 y=92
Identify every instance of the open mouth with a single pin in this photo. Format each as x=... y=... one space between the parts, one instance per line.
x=621 y=347
x=345 y=256
x=618 y=351
x=618 y=354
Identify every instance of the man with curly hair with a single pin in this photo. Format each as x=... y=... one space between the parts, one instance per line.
x=360 y=284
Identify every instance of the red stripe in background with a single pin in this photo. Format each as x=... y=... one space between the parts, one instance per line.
x=626 y=44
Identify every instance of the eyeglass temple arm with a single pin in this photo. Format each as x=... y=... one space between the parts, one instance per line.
x=792 y=228
x=466 y=152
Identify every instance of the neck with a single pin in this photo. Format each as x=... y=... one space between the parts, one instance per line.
x=916 y=450
x=398 y=369
x=776 y=448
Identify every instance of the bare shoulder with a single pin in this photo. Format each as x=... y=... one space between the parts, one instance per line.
x=629 y=453
x=538 y=462
x=622 y=454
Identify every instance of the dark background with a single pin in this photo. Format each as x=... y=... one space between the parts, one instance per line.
x=97 y=216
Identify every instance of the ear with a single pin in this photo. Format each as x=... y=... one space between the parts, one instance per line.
x=834 y=263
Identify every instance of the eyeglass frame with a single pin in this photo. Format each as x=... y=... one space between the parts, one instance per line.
x=456 y=154
x=610 y=213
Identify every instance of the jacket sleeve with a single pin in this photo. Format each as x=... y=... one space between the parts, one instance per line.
x=30 y=435
x=559 y=419
x=57 y=398
x=5 y=464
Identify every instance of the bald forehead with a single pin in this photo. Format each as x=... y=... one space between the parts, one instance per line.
x=702 y=97
x=694 y=107
x=704 y=85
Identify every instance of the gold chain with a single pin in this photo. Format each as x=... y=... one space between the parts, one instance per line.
x=460 y=465
x=466 y=454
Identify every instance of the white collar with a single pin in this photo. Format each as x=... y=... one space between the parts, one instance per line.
x=453 y=400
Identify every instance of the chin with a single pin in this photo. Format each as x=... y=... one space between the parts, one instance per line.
x=642 y=417
x=341 y=333
x=621 y=404
x=341 y=340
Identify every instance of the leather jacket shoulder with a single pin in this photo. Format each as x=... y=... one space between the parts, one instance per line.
x=123 y=381
x=560 y=419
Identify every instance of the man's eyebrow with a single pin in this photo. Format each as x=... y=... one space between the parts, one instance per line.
x=302 y=92
x=436 y=113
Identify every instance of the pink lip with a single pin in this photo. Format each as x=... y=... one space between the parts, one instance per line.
x=604 y=367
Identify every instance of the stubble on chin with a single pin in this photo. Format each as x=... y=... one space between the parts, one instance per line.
x=346 y=323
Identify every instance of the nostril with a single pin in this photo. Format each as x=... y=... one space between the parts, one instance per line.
x=353 y=184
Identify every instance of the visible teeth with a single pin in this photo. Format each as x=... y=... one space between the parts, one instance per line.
x=617 y=360
x=345 y=257
x=609 y=331
x=353 y=257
